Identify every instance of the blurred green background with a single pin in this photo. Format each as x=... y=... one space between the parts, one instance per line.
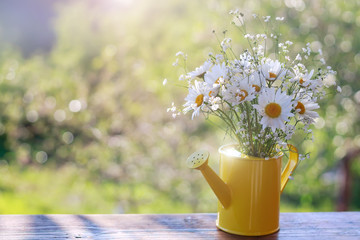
x=83 y=121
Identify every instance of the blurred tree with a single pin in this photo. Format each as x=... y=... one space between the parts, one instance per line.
x=95 y=105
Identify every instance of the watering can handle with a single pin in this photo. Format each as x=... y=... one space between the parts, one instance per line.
x=290 y=166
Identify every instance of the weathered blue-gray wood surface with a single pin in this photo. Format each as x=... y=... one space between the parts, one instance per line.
x=327 y=226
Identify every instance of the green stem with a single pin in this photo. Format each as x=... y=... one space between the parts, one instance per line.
x=257 y=146
x=231 y=107
x=231 y=124
x=250 y=130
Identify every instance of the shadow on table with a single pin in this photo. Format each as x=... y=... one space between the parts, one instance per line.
x=45 y=228
x=200 y=227
x=102 y=232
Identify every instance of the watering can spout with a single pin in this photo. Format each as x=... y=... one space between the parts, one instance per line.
x=199 y=160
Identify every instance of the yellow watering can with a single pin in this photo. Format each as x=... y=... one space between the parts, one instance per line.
x=248 y=189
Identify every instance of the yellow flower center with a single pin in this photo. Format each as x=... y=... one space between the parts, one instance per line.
x=272 y=75
x=301 y=81
x=301 y=107
x=257 y=88
x=218 y=80
x=273 y=110
x=199 y=100
x=242 y=95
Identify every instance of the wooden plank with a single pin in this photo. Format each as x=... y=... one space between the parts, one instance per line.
x=333 y=225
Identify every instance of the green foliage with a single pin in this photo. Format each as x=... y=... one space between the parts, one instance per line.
x=115 y=148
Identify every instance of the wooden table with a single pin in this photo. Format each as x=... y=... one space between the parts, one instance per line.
x=328 y=226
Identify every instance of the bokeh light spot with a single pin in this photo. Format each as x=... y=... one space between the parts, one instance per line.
x=345 y=46
x=342 y=128
x=329 y=40
x=75 y=106
x=32 y=116
x=319 y=123
x=60 y=115
x=41 y=157
x=357 y=97
x=68 y=137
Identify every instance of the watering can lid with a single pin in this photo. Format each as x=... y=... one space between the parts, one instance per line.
x=197 y=159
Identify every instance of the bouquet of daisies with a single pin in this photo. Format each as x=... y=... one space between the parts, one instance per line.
x=262 y=98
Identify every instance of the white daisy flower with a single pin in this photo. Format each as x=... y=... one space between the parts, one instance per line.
x=306 y=83
x=275 y=108
x=239 y=91
x=200 y=71
x=315 y=85
x=215 y=77
x=272 y=70
x=196 y=99
x=305 y=108
x=304 y=79
x=257 y=81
